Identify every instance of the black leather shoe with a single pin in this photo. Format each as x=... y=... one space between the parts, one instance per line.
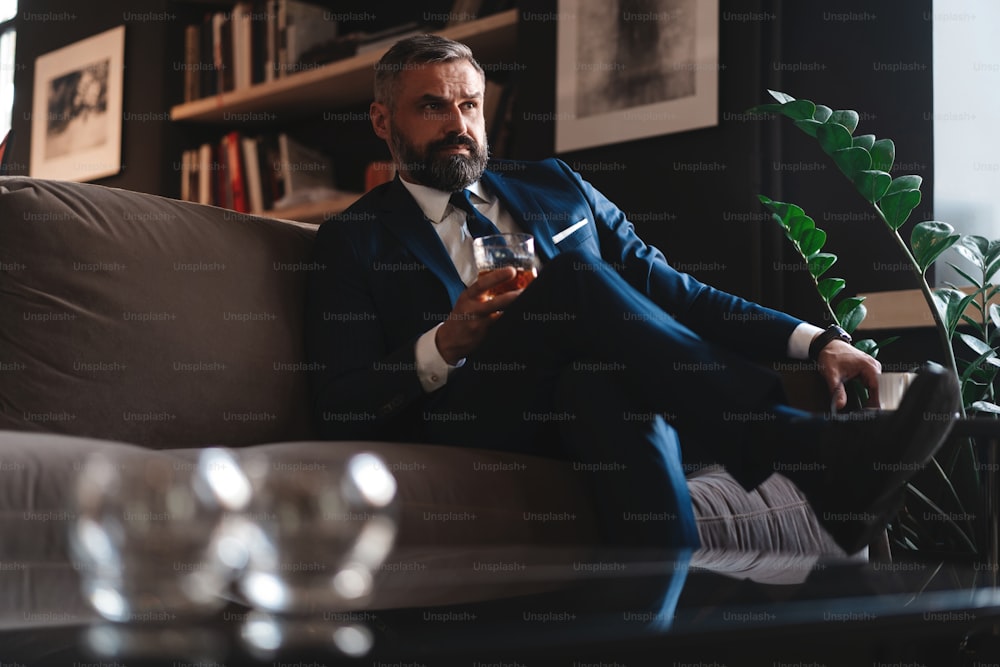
x=866 y=459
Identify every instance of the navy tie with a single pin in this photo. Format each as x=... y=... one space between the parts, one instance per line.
x=479 y=224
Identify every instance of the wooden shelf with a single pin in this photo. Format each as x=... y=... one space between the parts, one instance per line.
x=315 y=212
x=339 y=84
x=903 y=309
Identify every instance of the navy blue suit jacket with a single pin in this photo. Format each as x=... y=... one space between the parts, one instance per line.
x=382 y=278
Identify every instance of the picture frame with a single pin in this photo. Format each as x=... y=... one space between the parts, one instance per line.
x=76 y=121
x=633 y=69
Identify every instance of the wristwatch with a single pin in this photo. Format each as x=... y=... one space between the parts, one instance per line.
x=832 y=333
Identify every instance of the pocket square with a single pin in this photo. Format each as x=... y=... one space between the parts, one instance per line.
x=569 y=230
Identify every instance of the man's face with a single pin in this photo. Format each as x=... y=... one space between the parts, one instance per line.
x=436 y=131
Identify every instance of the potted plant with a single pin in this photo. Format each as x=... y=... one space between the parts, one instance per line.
x=941 y=507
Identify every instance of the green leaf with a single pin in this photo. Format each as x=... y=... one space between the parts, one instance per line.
x=995 y=314
x=977 y=371
x=977 y=346
x=872 y=184
x=821 y=263
x=780 y=96
x=811 y=242
x=828 y=288
x=847 y=118
x=850 y=318
x=986 y=406
x=852 y=160
x=991 y=269
x=798 y=110
x=847 y=304
x=896 y=207
x=951 y=305
x=782 y=209
x=867 y=345
x=792 y=108
x=822 y=113
x=979 y=245
x=799 y=225
x=976 y=326
x=809 y=126
x=865 y=141
x=883 y=154
x=972 y=281
x=992 y=258
x=970 y=248
x=904 y=183
x=833 y=137
x=887 y=341
x=929 y=240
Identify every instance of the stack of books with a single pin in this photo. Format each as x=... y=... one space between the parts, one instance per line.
x=256 y=174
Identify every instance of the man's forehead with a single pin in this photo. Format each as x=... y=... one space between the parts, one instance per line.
x=430 y=77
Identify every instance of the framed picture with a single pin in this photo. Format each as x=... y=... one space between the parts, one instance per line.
x=628 y=69
x=76 y=120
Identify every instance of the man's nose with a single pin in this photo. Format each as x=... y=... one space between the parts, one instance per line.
x=454 y=120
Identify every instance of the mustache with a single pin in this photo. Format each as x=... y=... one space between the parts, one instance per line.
x=454 y=140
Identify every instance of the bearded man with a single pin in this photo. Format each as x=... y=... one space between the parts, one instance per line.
x=610 y=356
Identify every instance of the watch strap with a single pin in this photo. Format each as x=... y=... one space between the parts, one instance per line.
x=830 y=334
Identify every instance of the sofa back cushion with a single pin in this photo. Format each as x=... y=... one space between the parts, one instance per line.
x=149 y=320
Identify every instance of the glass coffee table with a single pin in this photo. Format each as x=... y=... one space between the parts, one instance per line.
x=514 y=606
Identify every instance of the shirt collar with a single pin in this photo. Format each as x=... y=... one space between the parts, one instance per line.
x=434 y=202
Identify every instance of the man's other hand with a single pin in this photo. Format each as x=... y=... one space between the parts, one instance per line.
x=839 y=362
x=473 y=314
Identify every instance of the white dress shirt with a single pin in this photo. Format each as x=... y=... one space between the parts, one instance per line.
x=449 y=223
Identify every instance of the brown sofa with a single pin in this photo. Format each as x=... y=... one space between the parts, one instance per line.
x=149 y=327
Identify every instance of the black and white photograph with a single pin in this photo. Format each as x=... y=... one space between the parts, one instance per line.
x=77 y=110
x=635 y=68
x=639 y=29
x=76 y=124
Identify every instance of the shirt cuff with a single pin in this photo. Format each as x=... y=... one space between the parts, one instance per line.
x=798 y=342
x=432 y=369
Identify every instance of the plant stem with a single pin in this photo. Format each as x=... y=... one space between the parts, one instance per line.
x=829 y=308
x=925 y=289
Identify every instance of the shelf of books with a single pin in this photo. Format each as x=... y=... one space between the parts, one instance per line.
x=340 y=83
x=264 y=174
x=267 y=62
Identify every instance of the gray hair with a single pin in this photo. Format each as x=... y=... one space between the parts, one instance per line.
x=412 y=52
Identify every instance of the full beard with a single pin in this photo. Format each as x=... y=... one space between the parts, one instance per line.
x=450 y=172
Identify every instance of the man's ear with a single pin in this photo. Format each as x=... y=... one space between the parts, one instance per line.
x=379 y=114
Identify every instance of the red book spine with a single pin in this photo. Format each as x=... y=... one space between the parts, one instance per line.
x=234 y=165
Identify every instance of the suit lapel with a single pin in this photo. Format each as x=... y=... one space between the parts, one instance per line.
x=406 y=221
x=519 y=202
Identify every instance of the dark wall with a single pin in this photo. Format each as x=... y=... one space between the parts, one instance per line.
x=694 y=192
x=151 y=46
x=875 y=58
x=700 y=186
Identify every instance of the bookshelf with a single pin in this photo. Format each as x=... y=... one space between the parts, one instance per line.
x=341 y=83
x=336 y=85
